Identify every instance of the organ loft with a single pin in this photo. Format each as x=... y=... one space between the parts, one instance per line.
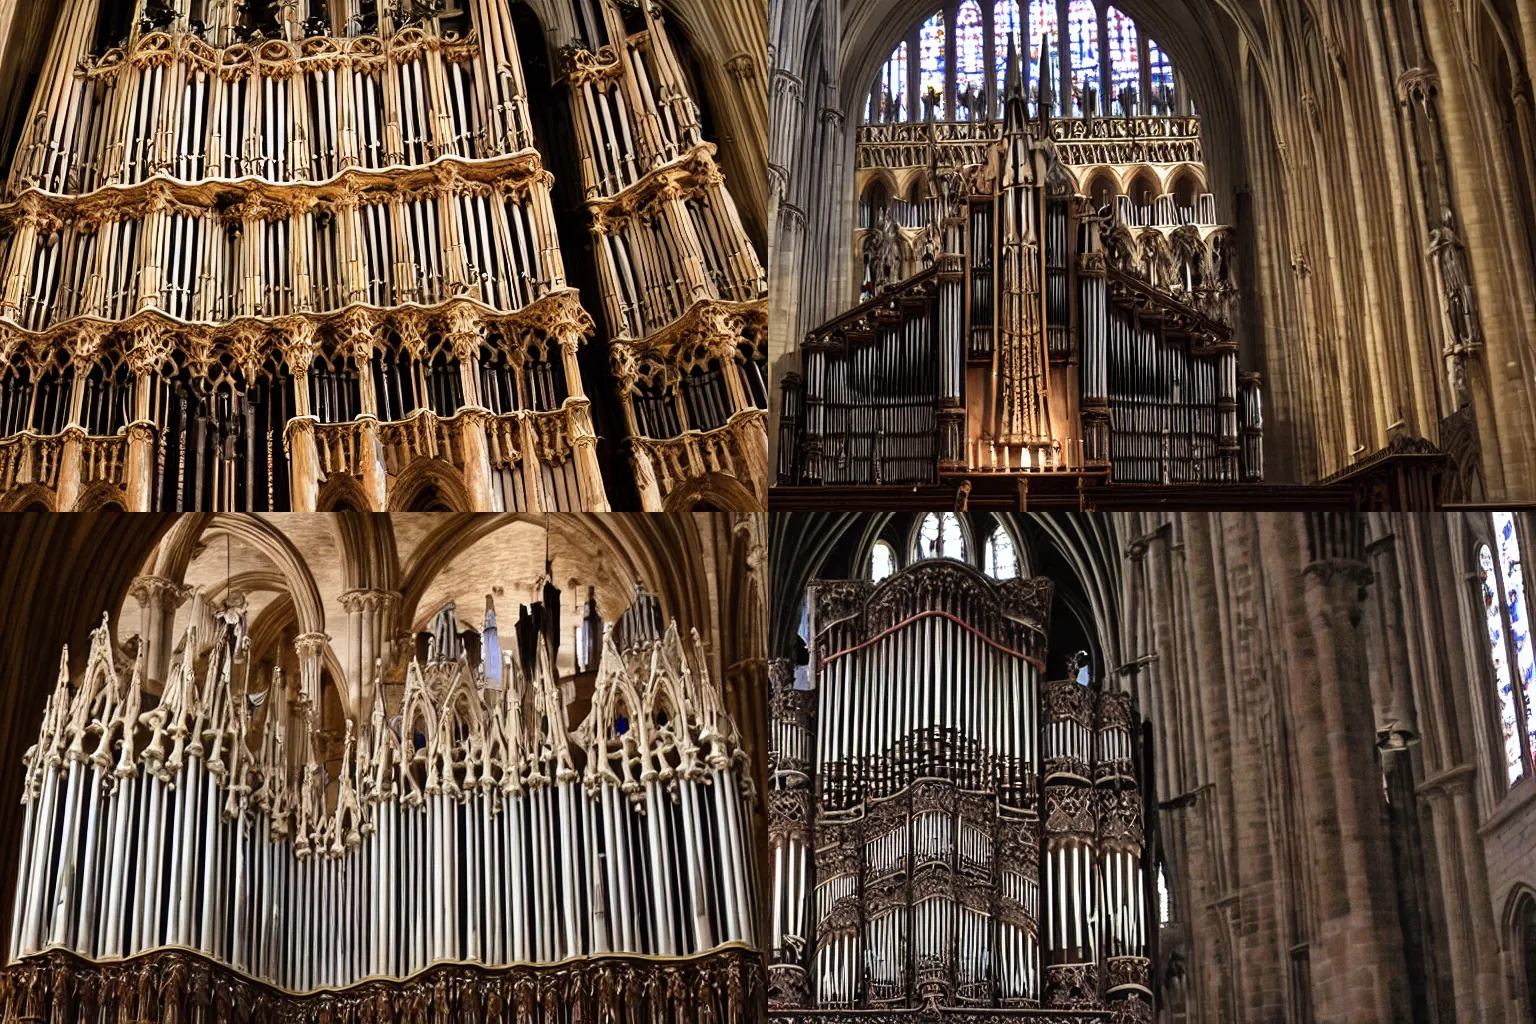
x=376 y=254
x=1045 y=303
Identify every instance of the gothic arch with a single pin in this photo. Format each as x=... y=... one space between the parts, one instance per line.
x=424 y=480
x=342 y=493
x=28 y=499
x=176 y=552
x=717 y=491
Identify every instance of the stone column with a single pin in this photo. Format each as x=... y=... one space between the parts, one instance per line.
x=310 y=648
x=1359 y=975
x=139 y=477
x=370 y=624
x=299 y=349
x=465 y=333
x=370 y=456
x=158 y=599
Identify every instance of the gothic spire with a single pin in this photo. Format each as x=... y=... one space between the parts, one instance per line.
x=1013 y=89
x=1044 y=94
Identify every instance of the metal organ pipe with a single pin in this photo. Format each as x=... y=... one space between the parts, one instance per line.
x=419 y=849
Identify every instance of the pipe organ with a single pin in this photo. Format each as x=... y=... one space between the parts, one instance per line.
x=460 y=847
x=1025 y=334
x=243 y=195
x=951 y=832
x=684 y=292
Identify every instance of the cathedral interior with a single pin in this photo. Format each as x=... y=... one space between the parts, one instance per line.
x=384 y=768
x=1151 y=766
x=382 y=255
x=1203 y=252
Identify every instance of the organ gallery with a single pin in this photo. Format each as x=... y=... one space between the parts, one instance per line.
x=537 y=807
x=1226 y=256
x=1020 y=331
x=466 y=255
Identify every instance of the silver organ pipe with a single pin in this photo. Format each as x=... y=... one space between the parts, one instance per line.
x=464 y=823
x=974 y=835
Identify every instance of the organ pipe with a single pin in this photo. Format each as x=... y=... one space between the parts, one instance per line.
x=462 y=823
x=967 y=840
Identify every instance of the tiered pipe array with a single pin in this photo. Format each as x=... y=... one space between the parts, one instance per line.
x=684 y=292
x=976 y=835
x=463 y=823
x=237 y=208
x=1053 y=340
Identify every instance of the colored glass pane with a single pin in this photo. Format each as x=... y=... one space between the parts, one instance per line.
x=1519 y=622
x=970 y=63
x=888 y=99
x=1124 y=62
x=1161 y=74
x=1005 y=26
x=1502 y=680
x=1083 y=49
x=1042 y=32
x=930 y=68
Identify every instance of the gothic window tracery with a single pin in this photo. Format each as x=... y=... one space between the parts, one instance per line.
x=940 y=536
x=931 y=67
x=970 y=64
x=1083 y=47
x=1505 y=613
x=953 y=84
x=1000 y=561
x=1124 y=62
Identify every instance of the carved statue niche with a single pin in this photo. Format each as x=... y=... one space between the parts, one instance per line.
x=1464 y=331
x=882 y=252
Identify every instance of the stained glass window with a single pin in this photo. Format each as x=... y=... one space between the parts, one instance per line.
x=1042 y=27
x=1083 y=46
x=1124 y=66
x=1493 y=614
x=1005 y=26
x=940 y=537
x=882 y=561
x=930 y=68
x=888 y=99
x=1519 y=622
x=1000 y=562
x=1161 y=68
x=970 y=63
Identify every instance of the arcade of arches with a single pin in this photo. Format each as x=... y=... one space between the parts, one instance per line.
x=1367 y=170
x=1324 y=782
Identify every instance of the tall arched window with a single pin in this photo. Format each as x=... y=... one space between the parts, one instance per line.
x=1083 y=43
x=1005 y=26
x=1164 y=900
x=1509 y=642
x=1043 y=22
x=940 y=537
x=970 y=64
x=998 y=559
x=1124 y=63
x=882 y=561
x=1162 y=100
x=888 y=100
x=930 y=68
